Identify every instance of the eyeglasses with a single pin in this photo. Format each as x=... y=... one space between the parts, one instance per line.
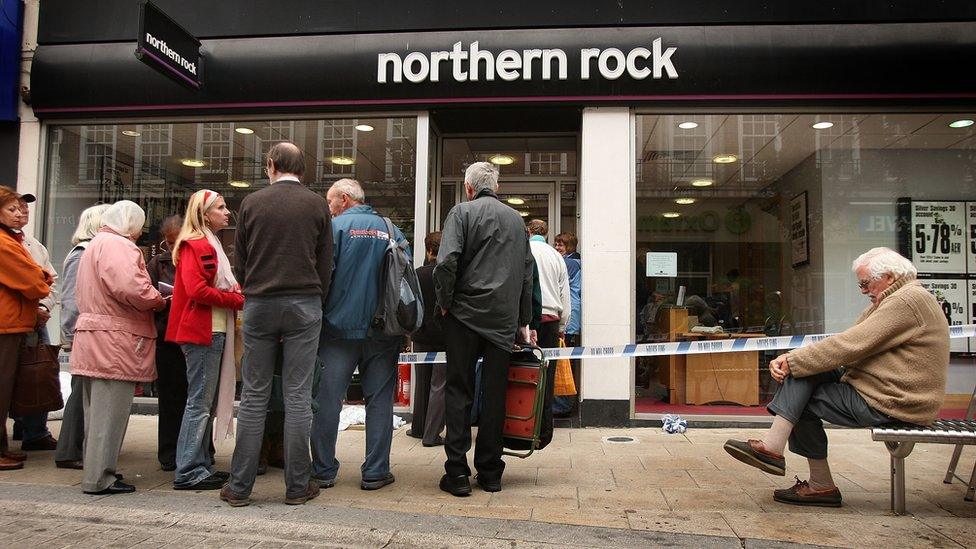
x=863 y=283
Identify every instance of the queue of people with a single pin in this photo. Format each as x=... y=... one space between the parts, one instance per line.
x=309 y=287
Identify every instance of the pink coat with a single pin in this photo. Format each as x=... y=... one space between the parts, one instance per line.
x=115 y=337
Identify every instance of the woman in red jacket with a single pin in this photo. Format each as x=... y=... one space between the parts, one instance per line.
x=201 y=321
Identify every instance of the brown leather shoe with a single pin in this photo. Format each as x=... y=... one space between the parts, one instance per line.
x=232 y=499
x=311 y=492
x=801 y=494
x=16 y=456
x=754 y=453
x=70 y=464
x=7 y=464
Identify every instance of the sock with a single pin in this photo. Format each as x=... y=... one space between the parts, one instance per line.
x=778 y=434
x=820 y=478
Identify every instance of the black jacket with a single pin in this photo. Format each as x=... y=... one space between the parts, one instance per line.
x=430 y=336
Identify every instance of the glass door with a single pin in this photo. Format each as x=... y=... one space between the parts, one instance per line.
x=533 y=201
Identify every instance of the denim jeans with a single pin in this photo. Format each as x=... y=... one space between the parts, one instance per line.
x=376 y=359
x=202 y=375
x=291 y=324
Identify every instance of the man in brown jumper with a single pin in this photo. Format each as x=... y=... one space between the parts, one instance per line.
x=895 y=359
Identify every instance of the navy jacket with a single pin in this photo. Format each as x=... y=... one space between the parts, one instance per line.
x=359 y=243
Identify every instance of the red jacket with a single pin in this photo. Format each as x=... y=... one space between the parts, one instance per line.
x=194 y=294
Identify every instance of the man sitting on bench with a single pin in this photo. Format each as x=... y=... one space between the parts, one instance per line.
x=895 y=360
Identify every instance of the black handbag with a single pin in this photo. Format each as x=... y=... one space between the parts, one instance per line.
x=37 y=386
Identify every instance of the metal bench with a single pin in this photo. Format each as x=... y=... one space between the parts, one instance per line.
x=901 y=439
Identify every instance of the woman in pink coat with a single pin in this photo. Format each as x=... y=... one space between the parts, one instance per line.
x=115 y=339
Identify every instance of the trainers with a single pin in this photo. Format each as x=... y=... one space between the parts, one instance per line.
x=378 y=483
x=311 y=492
x=801 y=494
x=232 y=499
x=754 y=453
x=459 y=486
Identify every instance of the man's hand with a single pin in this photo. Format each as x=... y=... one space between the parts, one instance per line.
x=43 y=315
x=779 y=368
x=523 y=335
x=534 y=337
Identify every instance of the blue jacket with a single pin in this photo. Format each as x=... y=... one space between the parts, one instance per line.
x=573 y=268
x=360 y=241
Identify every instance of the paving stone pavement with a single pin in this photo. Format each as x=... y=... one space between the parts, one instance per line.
x=680 y=490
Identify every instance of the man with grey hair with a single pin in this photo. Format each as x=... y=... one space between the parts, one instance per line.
x=483 y=283
x=890 y=366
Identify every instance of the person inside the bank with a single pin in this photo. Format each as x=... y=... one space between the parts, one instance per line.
x=891 y=366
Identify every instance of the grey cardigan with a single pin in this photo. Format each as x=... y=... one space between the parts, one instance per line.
x=69 y=307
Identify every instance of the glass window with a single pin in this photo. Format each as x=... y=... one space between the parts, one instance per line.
x=766 y=213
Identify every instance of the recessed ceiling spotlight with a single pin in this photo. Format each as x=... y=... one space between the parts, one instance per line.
x=688 y=125
x=515 y=201
x=131 y=133
x=822 y=125
x=524 y=214
x=963 y=123
x=724 y=158
x=193 y=163
x=684 y=201
x=364 y=128
x=501 y=160
x=671 y=215
x=342 y=160
x=702 y=183
x=244 y=131
x=240 y=184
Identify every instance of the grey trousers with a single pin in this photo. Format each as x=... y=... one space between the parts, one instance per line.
x=293 y=323
x=807 y=401
x=434 y=422
x=107 y=405
x=71 y=438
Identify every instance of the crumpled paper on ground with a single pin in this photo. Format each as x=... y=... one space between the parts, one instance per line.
x=673 y=424
x=356 y=415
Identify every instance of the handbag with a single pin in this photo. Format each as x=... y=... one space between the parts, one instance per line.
x=37 y=387
x=565 y=384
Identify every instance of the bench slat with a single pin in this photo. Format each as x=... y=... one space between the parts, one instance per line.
x=943 y=431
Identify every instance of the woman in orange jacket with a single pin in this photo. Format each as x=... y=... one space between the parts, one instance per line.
x=22 y=284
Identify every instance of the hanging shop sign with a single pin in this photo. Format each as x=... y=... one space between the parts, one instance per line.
x=167 y=47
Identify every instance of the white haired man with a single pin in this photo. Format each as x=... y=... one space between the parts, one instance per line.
x=890 y=366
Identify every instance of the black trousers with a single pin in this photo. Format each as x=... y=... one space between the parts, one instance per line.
x=464 y=347
x=171 y=395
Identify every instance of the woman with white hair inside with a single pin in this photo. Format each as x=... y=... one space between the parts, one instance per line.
x=115 y=339
x=71 y=438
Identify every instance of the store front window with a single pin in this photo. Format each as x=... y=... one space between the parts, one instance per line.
x=766 y=212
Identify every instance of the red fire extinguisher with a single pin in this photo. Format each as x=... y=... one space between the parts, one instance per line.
x=403 y=384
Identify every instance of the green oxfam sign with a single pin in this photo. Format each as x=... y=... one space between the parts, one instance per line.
x=737 y=221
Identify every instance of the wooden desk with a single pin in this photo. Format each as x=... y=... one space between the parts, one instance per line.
x=720 y=377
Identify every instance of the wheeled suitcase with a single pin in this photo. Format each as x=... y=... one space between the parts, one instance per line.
x=528 y=403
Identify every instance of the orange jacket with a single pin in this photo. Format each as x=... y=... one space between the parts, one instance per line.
x=22 y=285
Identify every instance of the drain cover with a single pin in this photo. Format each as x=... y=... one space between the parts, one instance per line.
x=620 y=440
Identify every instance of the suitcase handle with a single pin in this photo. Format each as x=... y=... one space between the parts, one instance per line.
x=534 y=349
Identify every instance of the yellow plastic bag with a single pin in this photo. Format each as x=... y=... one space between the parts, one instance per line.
x=564 y=383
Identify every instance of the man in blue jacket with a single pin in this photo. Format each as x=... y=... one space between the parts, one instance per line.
x=347 y=340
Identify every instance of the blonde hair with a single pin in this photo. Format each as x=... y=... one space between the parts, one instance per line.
x=194 y=222
x=89 y=222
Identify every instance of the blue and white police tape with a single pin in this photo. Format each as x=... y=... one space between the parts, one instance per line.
x=679 y=348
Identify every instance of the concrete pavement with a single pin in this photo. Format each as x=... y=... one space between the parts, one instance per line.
x=680 y=490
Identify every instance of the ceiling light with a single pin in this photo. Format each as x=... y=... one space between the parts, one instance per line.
x=364 y=128
x=688 y=125
x=684 y=201
x=701 y=183
x=501 y=160
x=244 y=131
x=131 y=133
x=240 y=184
x=342 y=160
x=822 y=125
x=725 y=158
x=515 y=201
x=193 y=163
x=964 y=123
x=524 y=214
x=671 y=215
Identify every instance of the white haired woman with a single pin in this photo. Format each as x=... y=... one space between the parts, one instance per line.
x=71 y=439
x=201 y=321
x=115 y=339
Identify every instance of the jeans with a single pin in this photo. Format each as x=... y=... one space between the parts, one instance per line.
x=202 y=375
x=292 y=324
x=377 y=362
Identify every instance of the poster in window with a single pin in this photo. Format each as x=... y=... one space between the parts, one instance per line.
x=937 y=237
x=971 y=236
x=953 y=298
x=799 y=230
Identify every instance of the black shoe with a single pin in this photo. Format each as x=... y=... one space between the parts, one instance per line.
x=167 y=466
x=262 y=469
x=213 y=482
x=378 y=483
x=43 y=444
x=489 y=485
x=439 y=441
x=323 y=483
x=410 y=433
x=459 y=486
x=117 y=487
x=70 y=464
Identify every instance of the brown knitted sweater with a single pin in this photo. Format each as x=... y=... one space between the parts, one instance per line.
x=896 y=355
